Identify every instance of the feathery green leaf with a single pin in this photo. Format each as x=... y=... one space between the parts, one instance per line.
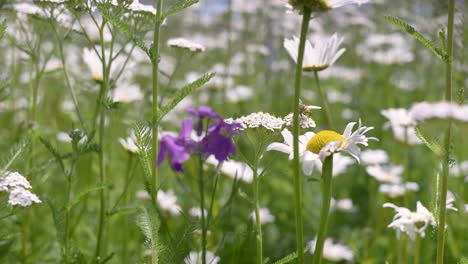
x=83 y=194
x=177 y=7
x=413 y=32
x=148 y=222
x=291 y=257
x=182 y=93
x=54 y=152
x=14 y=154
x=2 y=29
x=433 y=144
x=143 y=136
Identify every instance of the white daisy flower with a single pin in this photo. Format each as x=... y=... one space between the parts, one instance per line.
x=126 y=93
x=402 y=124
x=340 y=164
x=374 y=157
x=234 y=169
x=196 y=258
x=63 y=137
x=265 y=216
x=306 y=157
x=168 y=202
x=386 y=174
x=129 y=145
x=398 y=189
x=411 y=223
x=440 y=110
x=186 y=44
x=319 y=56
x=333 y=252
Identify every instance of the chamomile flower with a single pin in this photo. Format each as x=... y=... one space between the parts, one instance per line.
x=411 y=223
x=319 y=56
x=328 y=142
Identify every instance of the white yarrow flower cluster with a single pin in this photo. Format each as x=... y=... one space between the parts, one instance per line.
x=333 y=252
x=186 y=44
x=411 y=223
x=259 y=119
x=17 y=186
x=305 y=121
x=319 y=56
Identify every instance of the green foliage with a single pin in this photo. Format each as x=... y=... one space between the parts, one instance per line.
x=82 y=195
x=291 y=257
x=178 y=6
x=439 y=52
x=143 y=137
x=115 y=21
x=2 y=29
x=52 y=150
x=148 y=222
x=14 y=154
x=59 y=214
x=182 y=93
x=434 y=144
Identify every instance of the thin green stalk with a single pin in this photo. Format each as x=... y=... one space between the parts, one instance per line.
x=128 y=173
x=324 y=97
x=155 y=62
x=258 y=223
x=326 y=183
x=202 y=207
x=417 y=250
x=296 y=163
x=445 y=162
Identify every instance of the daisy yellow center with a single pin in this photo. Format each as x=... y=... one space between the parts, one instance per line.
x=321 y=139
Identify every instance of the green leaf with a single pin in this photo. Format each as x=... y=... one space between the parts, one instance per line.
x=2 y=29
x=291 y=257
x=148 y=221
x=14 y=154
x=143 y=139
x=115 y=21
x=54 y=152
x=177 y=7
x=413 y=32
x=59 y=216
x=83 y=194
x=442 y=41
x=182 y=93
x=433 y=144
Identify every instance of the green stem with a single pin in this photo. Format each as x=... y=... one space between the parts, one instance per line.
x=417 y=250
x=155 y=62
x=296 y=163
x=202 y=207
x=125 y=201
x=324 y=97
x=257 y=214
x=326 y=197
x=445 y=162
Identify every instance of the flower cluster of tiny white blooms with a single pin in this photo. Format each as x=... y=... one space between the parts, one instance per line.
x=304 y=121
x=319 y=56
x=183 y=43
x=17 y=186
x=259 y=119
x=440 y=110
x=136 y=6
x=265 y=216
x=168 y=202
x=196 y=258
x=411 y=223
x=333 y=252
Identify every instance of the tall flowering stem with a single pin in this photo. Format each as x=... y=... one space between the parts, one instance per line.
x=296 y=163
x=326 y=183
x=155 y=62
x=445 y=162
x=324 y=98
x=202 y=206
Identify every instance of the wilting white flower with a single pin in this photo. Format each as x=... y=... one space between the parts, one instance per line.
x=374 y=156
x=186 y=44
x=319 y=56
x=411 y=223
x=168 y=202
x=127 y=93
x=265 y=216
x=16 y=185
x=333 y=252
x=234 y=169
x=345 y=205
x=129 y=145
x=196 y=258
x=398 y=189
x=440 y=110
x=403 y=125
x=306 y=157
x=197 y=212
x=386 y=174
x=259 y=119
x=327 y=142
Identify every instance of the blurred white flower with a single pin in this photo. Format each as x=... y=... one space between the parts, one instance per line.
x=459 y=169
x=168 y=202
x=398 y=189
x=374 y=156
x=333 y=252
x=126 y=93
x=306 y=157
x=411 y=223
x=386 y=173
x=440 y=110
x=64 y=137
x=186 y=44
x=344 y=205
x=239 y=93
x=449 y=202
x=129 y=144
x=16 y=185
x=234 y=169
x=142 y=195
x=197 y=212
x=386 y=49
x=402 y=124
x=319 y=56
x=321 y=5
x=136 y=6
x=94 y=63
x=196 y=258
x=265 y=216
x=466 y=208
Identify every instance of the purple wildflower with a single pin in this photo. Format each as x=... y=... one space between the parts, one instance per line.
x=203 y=112
x=179 y=148
x=218 y=140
